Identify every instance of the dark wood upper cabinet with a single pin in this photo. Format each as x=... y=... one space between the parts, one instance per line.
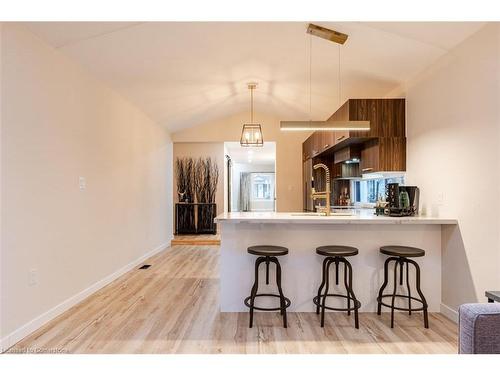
x=316 y=144
x=347 y=153
x=384 y=155
x=327 y=140
x=345 y=171
x=386 y=116
x=307 y=148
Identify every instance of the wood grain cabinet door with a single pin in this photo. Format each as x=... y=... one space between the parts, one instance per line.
x=370 y=157
x=327 y=140
x=307 y=149
x=384 y=155
x=337 y=170
x=317 y=145
x=340 y=136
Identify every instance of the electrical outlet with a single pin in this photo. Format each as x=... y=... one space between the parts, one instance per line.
x=33 y=277
x=82 y=183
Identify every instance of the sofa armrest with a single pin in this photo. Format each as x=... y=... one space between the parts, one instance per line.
x=479 y=328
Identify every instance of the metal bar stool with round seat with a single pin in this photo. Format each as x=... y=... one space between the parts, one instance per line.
x=400 y=256
x=337 y=255
x=267 y=254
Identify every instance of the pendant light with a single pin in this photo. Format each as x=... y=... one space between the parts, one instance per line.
x=251 y=134
x=339 y=38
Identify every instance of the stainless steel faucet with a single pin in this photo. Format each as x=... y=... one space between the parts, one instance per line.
x=323 y=194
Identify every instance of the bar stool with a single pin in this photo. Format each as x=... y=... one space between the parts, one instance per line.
x=337 y=255
x=400 y=256
x=267 y=254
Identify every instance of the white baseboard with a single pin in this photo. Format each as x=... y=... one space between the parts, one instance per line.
x=20 y=333
x=449 y=312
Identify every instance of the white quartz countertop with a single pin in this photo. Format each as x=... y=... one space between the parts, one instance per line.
x=357 y=217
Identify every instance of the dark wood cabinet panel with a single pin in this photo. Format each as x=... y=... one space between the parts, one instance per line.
x=386 y=116
x=347 y=153
x=370 y=157
x=306 y=149
x=327 y=140
x=343 y=170
x=384 y=155
x=340 y=136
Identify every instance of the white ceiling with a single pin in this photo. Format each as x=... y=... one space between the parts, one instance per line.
x=186 y=73
x=257 y=155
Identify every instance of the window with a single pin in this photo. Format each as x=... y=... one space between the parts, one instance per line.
x=368 y=191
x=262 y=186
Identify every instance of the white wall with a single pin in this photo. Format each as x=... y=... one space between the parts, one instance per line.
x=453 y=129
x=59 y=123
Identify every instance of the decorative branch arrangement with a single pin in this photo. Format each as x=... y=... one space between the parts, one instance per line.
x=206 y=177
x=184 y=170
x=196 y=180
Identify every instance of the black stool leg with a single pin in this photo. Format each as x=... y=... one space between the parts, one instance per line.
x=408 y=287
x=280 y=291
x=323 y=273
x=327 y=286
x=424 y=302
x=347 y=288
x=351 y=293
x=401 y=273
x=254 y=288
x=267 y=270
x=336 y=271
x=386 y=280
x=394 y=291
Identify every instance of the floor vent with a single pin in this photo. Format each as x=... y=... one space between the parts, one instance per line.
x=145 y=266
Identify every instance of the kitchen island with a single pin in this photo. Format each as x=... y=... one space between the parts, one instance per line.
x=301 y=233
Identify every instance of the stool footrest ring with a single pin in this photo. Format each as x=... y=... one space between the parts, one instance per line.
x=357 y=304
x=379 y=300
x=287 y=302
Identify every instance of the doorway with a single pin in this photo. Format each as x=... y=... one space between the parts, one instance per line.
x=251 y=177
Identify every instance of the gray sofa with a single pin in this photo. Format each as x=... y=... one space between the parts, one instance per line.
x=479 y=328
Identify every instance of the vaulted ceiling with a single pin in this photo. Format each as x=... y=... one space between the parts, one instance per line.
x=186 y=73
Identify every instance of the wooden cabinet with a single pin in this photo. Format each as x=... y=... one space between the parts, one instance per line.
x=386 y=116
x=321 y=141
x=340 y=136
x=384 y=145
x=307 y=148
x=344 y=170
x=347 y=153
x=327 y=140
x=384 y=155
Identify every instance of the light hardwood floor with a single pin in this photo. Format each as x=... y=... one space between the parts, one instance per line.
x=196 y=239
x=173 y=307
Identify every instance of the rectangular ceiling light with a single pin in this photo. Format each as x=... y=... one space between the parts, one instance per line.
x=323 y=32
x=324 y=125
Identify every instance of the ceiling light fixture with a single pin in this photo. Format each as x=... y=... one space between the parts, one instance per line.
x=339 y=38
x=251 y=134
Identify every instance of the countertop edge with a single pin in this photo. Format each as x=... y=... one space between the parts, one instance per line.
x=340 y=221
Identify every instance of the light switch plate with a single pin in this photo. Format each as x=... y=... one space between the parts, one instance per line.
x=440 y=198
x=82 y=182
x=33 y=277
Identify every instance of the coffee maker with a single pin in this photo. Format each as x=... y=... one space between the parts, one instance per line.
x=402 y=200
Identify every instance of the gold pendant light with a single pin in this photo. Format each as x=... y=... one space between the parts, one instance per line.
x=251 y=134
x=339 y=38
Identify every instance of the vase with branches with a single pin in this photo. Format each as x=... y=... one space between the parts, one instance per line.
x=206 y=177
